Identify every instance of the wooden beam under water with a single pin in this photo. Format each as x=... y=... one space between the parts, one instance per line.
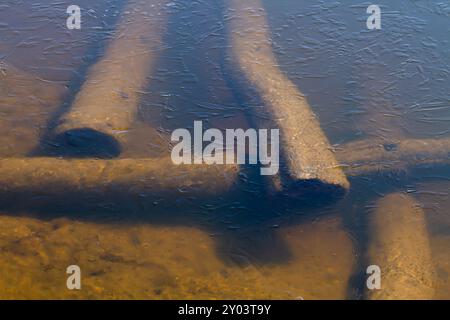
x=368 y=156
x=132 y=176
x=108 y=100
x=305 y=147
x=399 y=246
x=160 y=175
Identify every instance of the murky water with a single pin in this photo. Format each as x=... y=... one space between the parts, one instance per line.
x=387 y=86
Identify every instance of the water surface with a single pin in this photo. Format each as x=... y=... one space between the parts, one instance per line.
x=387 y=84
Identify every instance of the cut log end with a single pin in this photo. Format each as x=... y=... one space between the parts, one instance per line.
x=312 y=190
x=85 y=143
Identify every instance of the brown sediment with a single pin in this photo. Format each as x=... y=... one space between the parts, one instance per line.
x=154 y=176
x=108 y=100
x=145 y=261
x=305 y=147
x=399 y=245
x=26 y=101
x=367 y=156
x=440 y=245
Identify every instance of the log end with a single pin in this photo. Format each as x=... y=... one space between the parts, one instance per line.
x=313 y=190
x=84 y=143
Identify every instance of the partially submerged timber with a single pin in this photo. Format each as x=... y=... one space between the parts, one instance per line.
x=51 y=176
x=161 y=176
x=304 y=145
x=399 y=245
x=108 y=100
x=372 y=155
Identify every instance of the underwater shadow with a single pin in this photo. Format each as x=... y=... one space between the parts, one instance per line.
x=244 y=217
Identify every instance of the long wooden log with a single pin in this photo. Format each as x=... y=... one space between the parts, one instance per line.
x=108 y=100
x=151 y=176
x=366 y=156
x=400 y=247
x=161 y=174
x=304 y=145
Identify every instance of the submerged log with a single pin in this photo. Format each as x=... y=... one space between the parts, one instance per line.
x=50 y=176
x=305 y=147
x=400 y=247
x=366 y=156
x=108 y=100
x=160 y=175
